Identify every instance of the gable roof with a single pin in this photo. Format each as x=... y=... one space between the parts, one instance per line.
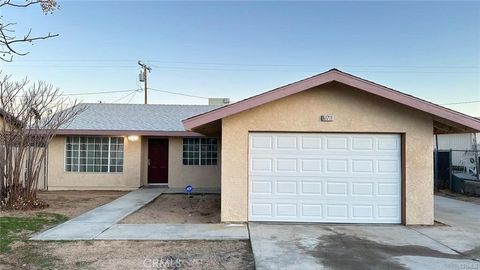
x=326 y=77
x=139 y=119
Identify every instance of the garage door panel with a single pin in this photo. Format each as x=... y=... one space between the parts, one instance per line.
x=336 y=143
x=261 y=187
x=286 y=142
x=285 y=165
x=260 y=142
x=388 y=211
x=313 y=211
x=286 y=187
x=262 y=165
x=388 y=143
x=362 y=211
x=286 y=210
x=362 y=143
x=310 y=143
x=348 y=178
x=312 y=187
x=328 y=186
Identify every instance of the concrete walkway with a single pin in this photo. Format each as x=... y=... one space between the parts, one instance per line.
x=92 y=223
x=101 y=223
x=175 y=232
x=462 y=233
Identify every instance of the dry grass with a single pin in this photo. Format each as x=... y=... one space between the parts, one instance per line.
x=69 y=203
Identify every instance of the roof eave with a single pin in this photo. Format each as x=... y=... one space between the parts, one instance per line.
x=154 y=133
x=326 y=77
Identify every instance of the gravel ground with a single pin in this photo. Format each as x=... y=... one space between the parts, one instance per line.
x=178 y=208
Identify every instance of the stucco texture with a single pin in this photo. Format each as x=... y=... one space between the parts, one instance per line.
x=59 y=179
x=354 y=111
x=179 y=175
x=135 y=171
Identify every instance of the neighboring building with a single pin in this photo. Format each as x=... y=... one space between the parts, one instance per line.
x=462 y=146
x=6 y=118
x=330 y=148
x=8 y=123
x=460 y=141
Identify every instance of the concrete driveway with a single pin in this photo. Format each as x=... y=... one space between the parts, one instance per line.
x=315 y=246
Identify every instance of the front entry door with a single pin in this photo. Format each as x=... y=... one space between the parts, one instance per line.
x=157 y=161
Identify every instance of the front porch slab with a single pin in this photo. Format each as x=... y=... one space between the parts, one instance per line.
x=175 y=232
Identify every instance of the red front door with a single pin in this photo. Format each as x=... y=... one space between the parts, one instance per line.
x=158 y=161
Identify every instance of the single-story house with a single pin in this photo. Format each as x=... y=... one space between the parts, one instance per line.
x=330 y=148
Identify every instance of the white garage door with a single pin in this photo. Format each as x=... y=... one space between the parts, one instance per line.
x=325 y=177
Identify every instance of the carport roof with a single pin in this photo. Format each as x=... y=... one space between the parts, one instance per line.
x=446 y=120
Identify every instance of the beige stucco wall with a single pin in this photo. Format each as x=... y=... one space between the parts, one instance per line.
x=354 y=111
x=135 y=171
x=179 y=175
x=58 y=178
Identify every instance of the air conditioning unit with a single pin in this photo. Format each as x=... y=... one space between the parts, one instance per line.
x=218 y=101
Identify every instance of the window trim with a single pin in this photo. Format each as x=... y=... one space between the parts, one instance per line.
x=109 y=148
x=199 y=152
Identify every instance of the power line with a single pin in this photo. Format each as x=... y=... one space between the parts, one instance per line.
x=132 y=93
x=100 y=92
x=177 y=93
x=133 y=96
x=463 y=102
x=252 y=70
x=245 y=64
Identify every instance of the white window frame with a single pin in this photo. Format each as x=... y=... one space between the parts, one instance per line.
x=199 y=159
x=78 y=157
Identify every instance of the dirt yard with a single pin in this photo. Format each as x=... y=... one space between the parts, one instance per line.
x=131 y=255
x=458 y=196
x=69 y=203
x=178 y=208
x=24 y=254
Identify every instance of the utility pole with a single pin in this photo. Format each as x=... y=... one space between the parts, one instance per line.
x=143 y=77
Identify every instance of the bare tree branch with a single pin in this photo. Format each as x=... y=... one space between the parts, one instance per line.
x=30 y=115
x=47 y=5
x=7 y=32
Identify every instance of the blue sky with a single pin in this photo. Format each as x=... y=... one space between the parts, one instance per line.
x=237 y=49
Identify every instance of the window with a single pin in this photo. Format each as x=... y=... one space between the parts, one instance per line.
x=199 y=151
x=94 y=154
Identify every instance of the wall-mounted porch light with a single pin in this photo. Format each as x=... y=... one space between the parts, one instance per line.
x=133 y=138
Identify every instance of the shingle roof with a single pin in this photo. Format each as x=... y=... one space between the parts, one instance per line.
x=135 y=117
